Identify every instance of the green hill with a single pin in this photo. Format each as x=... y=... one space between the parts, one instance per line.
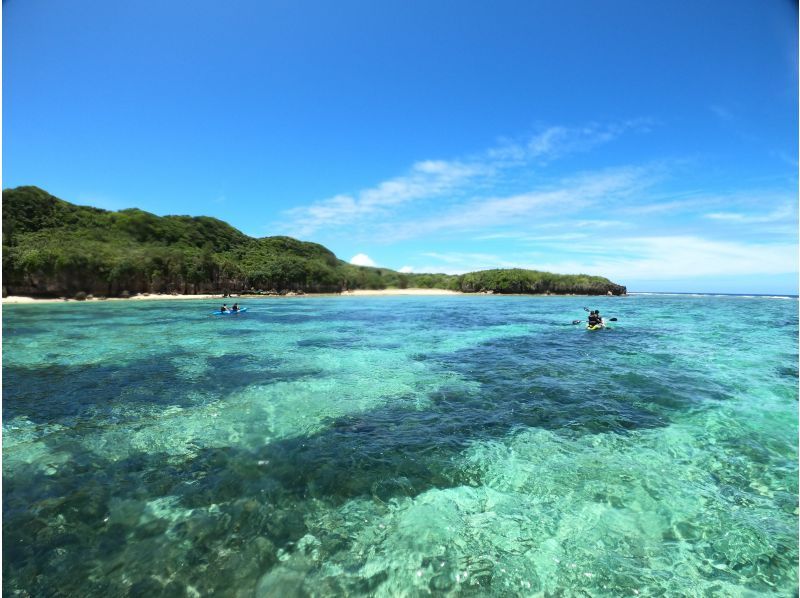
x=54 y=248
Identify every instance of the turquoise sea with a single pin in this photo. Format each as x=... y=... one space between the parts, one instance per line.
x=401 y=446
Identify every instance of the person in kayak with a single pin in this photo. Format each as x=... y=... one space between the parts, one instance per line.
x=235 y=307
x=595 y=319
x=224 y=308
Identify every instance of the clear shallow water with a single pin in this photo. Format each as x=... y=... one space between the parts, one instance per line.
x=401 y=446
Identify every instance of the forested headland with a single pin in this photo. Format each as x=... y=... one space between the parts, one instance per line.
x=53 y=248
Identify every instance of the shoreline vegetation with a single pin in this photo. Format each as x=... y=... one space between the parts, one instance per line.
x=17 y=299
x=243 y=297
x=53 y=249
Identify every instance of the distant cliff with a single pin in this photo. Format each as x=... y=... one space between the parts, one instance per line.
x=53 y=248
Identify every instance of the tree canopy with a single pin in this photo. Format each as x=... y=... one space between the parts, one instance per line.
x=54 y=248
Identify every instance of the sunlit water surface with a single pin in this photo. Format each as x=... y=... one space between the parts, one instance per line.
x=401 y=446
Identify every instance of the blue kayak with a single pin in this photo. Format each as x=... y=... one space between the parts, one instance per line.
x=229 y=312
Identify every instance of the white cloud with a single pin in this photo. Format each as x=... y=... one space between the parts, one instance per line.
x=406 y=269
x=461 y=262
x=570 y=195
x=741 y=206
x=548 y=142
x=507 y=235
x=677 y=257
x=430 y=179
x=528 y=237
x=781 y=213
x=662 y=207
x=555 y=142
x=362 y=259
x=461 y=258
x=596 y=224
x=561 y=237
x=641 y=258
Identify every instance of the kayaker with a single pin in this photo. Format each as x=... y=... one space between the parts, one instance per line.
x=224 y=308
x=235 y=307
x=595 y=319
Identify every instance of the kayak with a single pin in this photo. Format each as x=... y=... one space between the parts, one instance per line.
x=599 y=326
x=229 y=313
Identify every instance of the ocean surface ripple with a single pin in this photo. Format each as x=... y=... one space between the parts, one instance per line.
x=388 y=446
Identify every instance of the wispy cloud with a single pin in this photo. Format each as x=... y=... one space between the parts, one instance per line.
x=426 y=179
x=675 y=257
x=777 y=215
x=640 y=258
x=505 y=236
x=575 y=194
x=431 y=179
x=527 y=236
x=595 y=223
x=722 y=112
x=786 y=158
x=501 y=209
x=462 y=262
x=555 y=142
x=460 y=257
x=663 y=207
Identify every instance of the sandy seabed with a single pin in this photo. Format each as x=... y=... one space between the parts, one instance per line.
x=11 y=299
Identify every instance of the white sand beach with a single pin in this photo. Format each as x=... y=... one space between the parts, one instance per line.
x=16 y=299
x=387 y=292
x=148 y=297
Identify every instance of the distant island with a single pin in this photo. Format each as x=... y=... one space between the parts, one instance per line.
x=53 y=248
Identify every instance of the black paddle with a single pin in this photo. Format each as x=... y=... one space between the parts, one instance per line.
x=579 y=321
x=590 y=311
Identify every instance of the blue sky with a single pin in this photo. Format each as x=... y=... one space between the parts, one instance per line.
x=653 y=143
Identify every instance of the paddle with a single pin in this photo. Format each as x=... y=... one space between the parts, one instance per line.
x=590 y=311
x=579 y=321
